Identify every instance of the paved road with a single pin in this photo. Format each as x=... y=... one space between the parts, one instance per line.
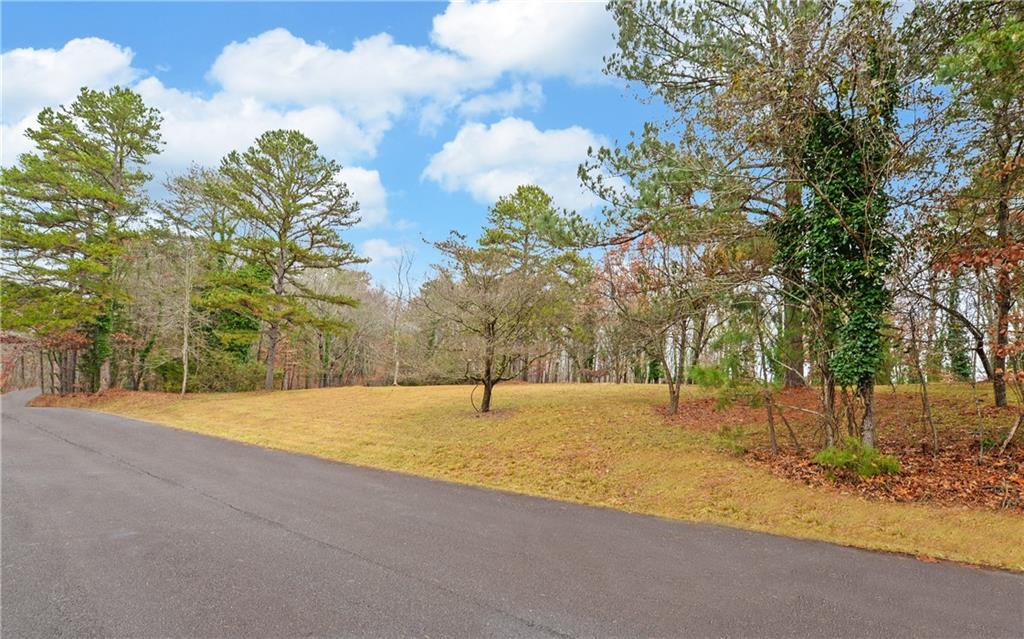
x=113 y=527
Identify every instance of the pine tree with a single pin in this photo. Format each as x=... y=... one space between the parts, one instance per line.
x=68 y=211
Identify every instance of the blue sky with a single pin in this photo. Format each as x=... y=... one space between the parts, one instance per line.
x=434 y=109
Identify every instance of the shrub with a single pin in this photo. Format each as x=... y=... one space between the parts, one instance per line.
x=730 y=439
x=708 y=376
x=853 y=456
x=222 y=372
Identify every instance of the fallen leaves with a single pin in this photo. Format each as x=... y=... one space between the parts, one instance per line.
x=955 y=476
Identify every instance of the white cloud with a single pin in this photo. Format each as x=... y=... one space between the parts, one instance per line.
x=368 y=190
x=383 y=257
x=13 y=141
x=34 y=78
x=37 y=78
x=536 y=38
x=379 y=250
x=205 y=129
x=345 y=99
x=373 y=81
x=491 y=161
x=520 y=95
x=384 y=260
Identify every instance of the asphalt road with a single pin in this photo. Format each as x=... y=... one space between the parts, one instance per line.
x=113 y=527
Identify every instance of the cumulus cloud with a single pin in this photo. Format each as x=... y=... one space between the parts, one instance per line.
x=379 y=250
x=37 y=78
x=491 y=161
x=346 y=99
x=34 y=78
x=519 y=96
x=536 y=38
x=368 y=190
x=384 y=259
x=374 y=80
x=13 y=141
x=205 y=129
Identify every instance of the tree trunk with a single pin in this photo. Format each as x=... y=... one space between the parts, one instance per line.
x=285 y=376
x=794 y=343
x=850 y=412
x=67 y=376
x=184 y=358
x=926 y=406
x=674 y=374
x=272 y=337
x=394 y=341
x=792 y=316
x=999 y=354
x=395 y=379
x=105 y=376
x=325 y=359
x=1004 y=302
x=698 y=344
x=772 y=438
x=1004 y=288
x=485 y=403
x=867 y=424
x=828 y=403
x=673 y=399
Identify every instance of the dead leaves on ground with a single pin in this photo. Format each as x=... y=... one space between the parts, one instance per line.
x=954 y=476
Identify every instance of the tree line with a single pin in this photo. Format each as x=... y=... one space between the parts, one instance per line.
x=834 y=201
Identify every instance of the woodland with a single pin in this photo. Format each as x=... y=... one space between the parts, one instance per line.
x=833 y=206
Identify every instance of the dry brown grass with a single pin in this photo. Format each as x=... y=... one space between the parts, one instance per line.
x=598 y=444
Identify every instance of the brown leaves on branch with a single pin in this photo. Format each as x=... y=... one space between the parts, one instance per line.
x=1003 y=259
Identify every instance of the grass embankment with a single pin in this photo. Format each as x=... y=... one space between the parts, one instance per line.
x=597 y=444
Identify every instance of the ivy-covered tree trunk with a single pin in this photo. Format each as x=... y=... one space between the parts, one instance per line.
x=847 y=251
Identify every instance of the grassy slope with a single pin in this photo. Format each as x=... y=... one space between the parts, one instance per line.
x=597 y=444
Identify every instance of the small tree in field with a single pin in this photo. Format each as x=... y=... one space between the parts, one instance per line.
x=498 y=310
x=291 y=207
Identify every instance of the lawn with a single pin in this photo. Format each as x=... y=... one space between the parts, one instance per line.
x=606 y=445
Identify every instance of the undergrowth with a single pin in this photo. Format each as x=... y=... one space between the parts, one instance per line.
x=853 y=456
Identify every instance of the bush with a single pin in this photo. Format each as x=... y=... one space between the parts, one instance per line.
x=853 y=456
x=219 y=372
x=730 y=440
